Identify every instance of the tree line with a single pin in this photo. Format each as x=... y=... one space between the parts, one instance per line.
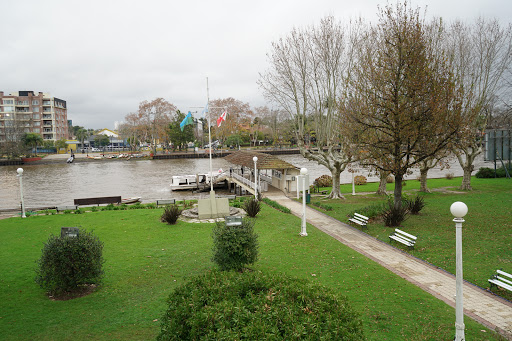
x=404 y=92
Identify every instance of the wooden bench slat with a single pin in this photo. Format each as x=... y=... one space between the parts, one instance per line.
x=406 y=234
x=359 y=219
x=98 y=200
x=165 y=202
x=501 y=284
x=403 y=237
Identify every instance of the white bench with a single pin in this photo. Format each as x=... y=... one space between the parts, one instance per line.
x=502 y=279
x=162 y=202
x=359 y=219
x=403 y=237
x=66 y=208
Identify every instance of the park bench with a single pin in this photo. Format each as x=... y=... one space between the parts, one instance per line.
x=65 y=208
x=502 y=279
x=229 y=197
x=403 y=237
x=98 y=201
x=359 y=219
x=162 y=202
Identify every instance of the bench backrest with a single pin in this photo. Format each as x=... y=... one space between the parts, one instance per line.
x=508 y=276
x=360 y=216
x=405 y=234
x=98 y=200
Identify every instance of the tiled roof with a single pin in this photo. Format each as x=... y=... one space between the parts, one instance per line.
x=265 y=161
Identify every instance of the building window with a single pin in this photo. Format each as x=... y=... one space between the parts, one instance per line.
x=35 y=102
x=8 y=109
x=36 y=123
x=37 y=130
x=35 y=109
x=8 y=101
x=36 y=116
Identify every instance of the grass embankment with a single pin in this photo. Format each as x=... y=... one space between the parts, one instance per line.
x=486 y=232
x=146 y=260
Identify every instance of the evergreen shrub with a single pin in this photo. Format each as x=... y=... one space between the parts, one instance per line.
x=68 y=263
x=256 y=306
x=360 y=180
x=252 y=207
x=234 y=247
x=393 y=216
x=171 y=214
x=415 y=204
x=323 y=181
x=487 y=173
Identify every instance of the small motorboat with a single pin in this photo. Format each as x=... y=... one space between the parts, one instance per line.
x=195 y=181
x=132 y=200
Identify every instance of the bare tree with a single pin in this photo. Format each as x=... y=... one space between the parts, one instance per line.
x=155 y=117
x=481 y=53
x=307 y=74
x=402 y=107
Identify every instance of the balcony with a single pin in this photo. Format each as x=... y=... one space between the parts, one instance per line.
x=47 y=117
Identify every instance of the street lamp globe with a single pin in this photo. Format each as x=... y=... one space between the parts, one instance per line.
x=255 y=159
x=459 y=209
x=303 y=171
x=20 y=171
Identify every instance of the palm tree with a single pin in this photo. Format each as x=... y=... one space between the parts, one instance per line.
x=32 y=140
x=81 y=135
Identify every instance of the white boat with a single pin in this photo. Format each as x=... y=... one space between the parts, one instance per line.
x=195 y=181
x=131 y=200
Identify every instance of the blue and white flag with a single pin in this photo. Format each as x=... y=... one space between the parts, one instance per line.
x=187 y=120
x=205 y=110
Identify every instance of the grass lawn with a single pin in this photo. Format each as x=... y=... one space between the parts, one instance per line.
x=146 y=260
x=487 y=231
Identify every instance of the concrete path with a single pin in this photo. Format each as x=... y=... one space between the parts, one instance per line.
x=485 y=308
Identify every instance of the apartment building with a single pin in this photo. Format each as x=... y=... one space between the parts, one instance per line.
x=28 y=112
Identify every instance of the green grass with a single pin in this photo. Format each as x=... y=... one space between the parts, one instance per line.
x=486 y=232
x=146 y=260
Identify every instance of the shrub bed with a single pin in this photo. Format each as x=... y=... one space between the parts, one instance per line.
x=276 y=205
x=256 y=306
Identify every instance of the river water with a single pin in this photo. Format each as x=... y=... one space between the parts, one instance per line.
x=59 y=184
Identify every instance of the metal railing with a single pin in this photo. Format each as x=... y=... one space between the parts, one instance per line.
x=263 y=187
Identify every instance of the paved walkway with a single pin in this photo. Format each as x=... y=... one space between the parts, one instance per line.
x=485 y=308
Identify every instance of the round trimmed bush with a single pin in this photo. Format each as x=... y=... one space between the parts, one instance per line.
x=360 y=180
x=234 y=247
x=255 y=306
x=69 y=263
x=323 y=181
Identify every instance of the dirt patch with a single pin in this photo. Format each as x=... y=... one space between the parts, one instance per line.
x=81 y=291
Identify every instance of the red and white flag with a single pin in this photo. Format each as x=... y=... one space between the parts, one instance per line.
x=221 y=118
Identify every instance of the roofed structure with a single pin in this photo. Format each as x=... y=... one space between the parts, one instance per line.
x=265 y=161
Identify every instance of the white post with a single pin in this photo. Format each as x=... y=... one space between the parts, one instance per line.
x=459 y=210
x=255 y=159
x=353 y=185
x=303 y=172
x=20 y=175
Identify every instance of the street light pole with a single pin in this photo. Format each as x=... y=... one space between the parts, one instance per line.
x=20 y=175
x=459 y=210
x=255 y=159
x=303 y=172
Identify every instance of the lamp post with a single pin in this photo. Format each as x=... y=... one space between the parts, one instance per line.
x=458 y=210
x=20 y=175
x=255 y=159
x=303 y=172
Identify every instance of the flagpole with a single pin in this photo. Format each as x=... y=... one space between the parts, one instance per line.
x=209 y=133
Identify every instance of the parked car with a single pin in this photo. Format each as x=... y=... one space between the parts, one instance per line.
x=96 y=150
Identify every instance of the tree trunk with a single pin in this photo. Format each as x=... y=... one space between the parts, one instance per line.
x=398 y=190
x=423 y=180
x=335 y=192
x=467 y=165
x=383 y=183
x=466 y=179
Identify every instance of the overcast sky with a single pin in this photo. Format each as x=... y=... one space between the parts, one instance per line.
x=104 y=57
